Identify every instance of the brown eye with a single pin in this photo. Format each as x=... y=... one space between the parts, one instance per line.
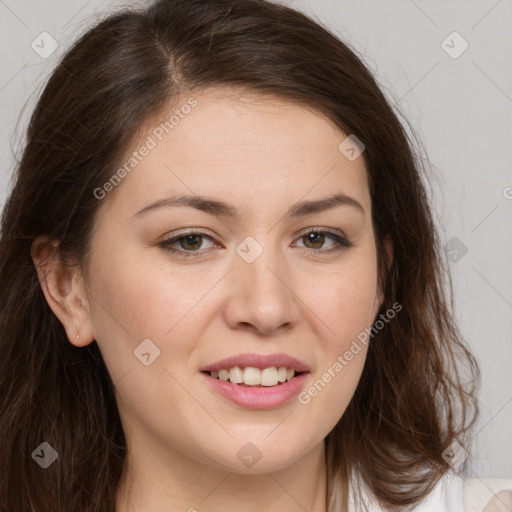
x=314 y=240
x=189 y=243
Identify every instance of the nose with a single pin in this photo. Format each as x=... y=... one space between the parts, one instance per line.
x=261 y=297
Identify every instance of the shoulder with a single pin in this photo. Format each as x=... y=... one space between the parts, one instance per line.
x=452 y=494
x=446 y=496
x=487 y=494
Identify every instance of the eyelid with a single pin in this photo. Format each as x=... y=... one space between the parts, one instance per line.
x=190 y=231
x=319 y=229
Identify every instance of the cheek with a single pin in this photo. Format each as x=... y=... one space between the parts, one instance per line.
x=346 y=301
x=137 y=299
x=136 y=303
x=347 y=309
x=142 y=299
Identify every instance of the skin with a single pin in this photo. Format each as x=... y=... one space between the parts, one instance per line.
x=262 y=155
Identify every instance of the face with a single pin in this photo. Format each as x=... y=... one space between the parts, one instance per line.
x=248 y=271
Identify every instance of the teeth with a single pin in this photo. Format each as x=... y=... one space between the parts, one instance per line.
x=269 y=376
x=251 y=376
x=236 y=375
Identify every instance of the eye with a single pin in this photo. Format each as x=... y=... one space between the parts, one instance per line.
x=190 y=242
x=316 y=237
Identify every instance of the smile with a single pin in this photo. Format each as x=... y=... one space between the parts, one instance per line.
x=251 y=376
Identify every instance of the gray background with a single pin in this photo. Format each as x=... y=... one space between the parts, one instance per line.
x=460 y=108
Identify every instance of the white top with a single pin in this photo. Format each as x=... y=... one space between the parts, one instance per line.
x=487 y=494
x=446 y=496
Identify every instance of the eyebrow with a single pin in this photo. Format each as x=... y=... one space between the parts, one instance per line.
x=220 y=208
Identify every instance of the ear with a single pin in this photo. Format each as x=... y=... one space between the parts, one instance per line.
x=64 y=290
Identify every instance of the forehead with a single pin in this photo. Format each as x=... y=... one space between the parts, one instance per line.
x=256 y=148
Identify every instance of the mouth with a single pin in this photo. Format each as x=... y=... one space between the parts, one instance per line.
x=256 y=388
x=253 y=377
x=257 y=381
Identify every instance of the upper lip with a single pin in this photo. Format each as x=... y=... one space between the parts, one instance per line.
x=258 y=361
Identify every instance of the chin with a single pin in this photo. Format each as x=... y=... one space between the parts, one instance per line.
x=255 y=458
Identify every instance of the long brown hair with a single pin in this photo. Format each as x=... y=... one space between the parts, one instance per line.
x=410 y=403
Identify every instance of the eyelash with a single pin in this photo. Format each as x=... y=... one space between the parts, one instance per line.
x=342 y=242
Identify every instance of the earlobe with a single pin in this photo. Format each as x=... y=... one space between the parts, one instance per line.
x=63 y=290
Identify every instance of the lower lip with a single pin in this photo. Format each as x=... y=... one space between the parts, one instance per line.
x=253 y=397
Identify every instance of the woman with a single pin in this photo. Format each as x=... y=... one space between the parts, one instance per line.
x=222 y=285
